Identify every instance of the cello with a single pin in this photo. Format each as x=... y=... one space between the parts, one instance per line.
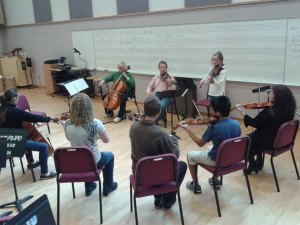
x=113 y=100
x=35 y=135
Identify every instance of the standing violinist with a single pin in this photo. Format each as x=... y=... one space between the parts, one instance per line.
x=267 y=123
x=13 y=117
x=224 y=129
x=216 y=78
x=159 y=83
x=123 y=75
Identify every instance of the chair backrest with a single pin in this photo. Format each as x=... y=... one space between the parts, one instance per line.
x=74 y=160
x=233 y=150
x=156 y=170
x=286 y=134
x=23 y=103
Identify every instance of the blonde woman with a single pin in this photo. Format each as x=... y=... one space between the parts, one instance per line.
x=83 y=130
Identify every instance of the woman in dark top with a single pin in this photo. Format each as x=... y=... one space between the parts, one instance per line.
x=267 y=123
x=13 y=117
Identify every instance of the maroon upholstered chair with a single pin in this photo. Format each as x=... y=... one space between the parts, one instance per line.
x=149 y=179
x=205 y=102
x=23 y=104
x=76 y=164
x=284 y=142
x=231 y=157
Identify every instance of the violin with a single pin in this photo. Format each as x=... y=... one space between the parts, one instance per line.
x=113 y=100
x=35 y=135
x=204 y=121
x=216 y=71
x=136 y=117
x=249 y=106
x=165 y=76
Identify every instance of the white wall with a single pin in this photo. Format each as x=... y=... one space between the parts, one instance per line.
x=18 y=12
x=43 y=42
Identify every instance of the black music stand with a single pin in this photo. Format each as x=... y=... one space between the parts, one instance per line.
x=13 y=142
x=172 y=94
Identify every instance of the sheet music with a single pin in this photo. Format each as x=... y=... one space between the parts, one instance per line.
x=76 y=86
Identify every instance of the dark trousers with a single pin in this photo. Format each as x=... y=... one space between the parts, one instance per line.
x=122 y=109
x=170 y=197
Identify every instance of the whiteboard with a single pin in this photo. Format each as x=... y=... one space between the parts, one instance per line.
x=254 y=51
x=292 y=76
x=83 y=41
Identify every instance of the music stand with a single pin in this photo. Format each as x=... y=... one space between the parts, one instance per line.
x=13 y=142
x=73 y=87
x=172 y=94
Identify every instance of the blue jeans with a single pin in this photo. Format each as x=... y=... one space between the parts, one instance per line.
x=106 y=163
x=42 y=148
x=163 y=104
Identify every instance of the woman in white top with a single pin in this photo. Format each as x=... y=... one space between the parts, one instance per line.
x=216 y=78
x=83 y=130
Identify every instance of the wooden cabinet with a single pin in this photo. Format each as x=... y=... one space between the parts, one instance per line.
x=51 y=87
x=12 y=67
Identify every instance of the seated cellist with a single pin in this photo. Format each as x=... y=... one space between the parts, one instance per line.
x=121 y=75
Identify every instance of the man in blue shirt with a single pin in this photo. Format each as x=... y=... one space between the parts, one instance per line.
x=224 y=129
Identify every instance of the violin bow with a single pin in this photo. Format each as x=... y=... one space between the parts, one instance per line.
x=199 y=114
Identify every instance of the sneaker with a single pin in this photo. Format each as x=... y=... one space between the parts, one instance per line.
x=48 y=175
x=190 y=185
x=117 y=119
x=108 y=115
x=217 y=182
x=34 y=164
x=107 y=192
x=88 y=192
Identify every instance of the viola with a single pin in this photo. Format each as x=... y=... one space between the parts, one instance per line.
x=136 y=117
x=113 y=100
x=249 y=106
x=35 y=135
x=203 y=121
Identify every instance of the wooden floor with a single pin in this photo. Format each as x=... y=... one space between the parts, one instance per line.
x=270 y=207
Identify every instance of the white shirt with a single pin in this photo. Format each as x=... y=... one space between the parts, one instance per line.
x=85 y=135
x=218 y=87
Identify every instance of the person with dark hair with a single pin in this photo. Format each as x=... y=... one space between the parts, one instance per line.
x=216 y=77
x=267 y=123
x=160 y=83
x=123 y=75
x=13 y=117
x=148 y=139
x=224 y=129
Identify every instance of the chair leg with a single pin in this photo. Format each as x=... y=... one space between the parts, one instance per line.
x=22 y=166
x=248 y=186
x=274 y=174
x=221 y=180
x=130 y=197
x=32 y=173
x=48 y=128
x=208 y=113
x=217 y=199
x=73 y=190
x=295 y=164
x=263 y=161
x=180 y=207
x=100 y=201
x=135 y=210
x=58 y=202
x=13 y=162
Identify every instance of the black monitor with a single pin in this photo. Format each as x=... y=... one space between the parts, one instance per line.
x=37 y=213
x=62 y=61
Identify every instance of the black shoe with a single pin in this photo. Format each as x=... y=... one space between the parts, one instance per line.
x=168 y=205
x=114 y=187
x=89 y=191
x=251 y=169
x=34 y=164
x=217 y=182
x=158 y=203
x=48 y=175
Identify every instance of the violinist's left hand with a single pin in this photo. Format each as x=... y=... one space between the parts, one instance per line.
x=125 y=76
x=184 y=126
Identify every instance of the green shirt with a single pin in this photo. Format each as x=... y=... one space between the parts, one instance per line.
x=130 y=83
